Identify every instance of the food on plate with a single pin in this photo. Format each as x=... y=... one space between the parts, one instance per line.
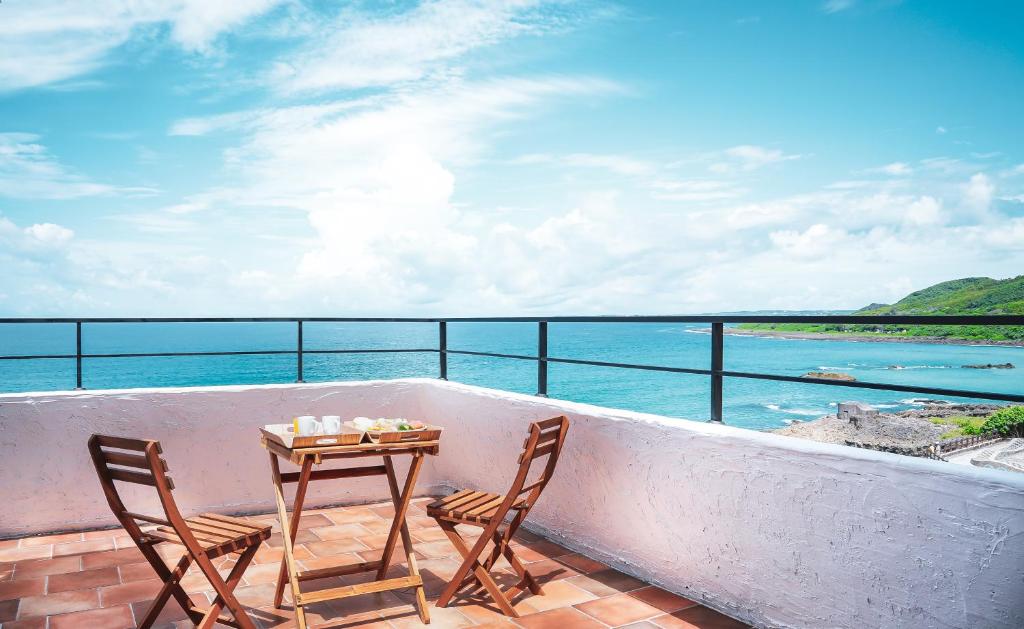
x=384 y=424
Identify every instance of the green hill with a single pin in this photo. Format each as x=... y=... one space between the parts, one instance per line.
x=970 y=295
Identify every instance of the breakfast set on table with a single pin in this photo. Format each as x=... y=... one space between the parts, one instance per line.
x=307 y=443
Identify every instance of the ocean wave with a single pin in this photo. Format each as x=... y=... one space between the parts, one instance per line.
x=902 y=367
x=918 y=401
x=805 y=412
x=692 y=331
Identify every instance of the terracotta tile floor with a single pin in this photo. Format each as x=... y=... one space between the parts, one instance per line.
x=97 y=580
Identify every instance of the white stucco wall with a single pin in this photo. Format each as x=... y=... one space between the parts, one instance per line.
x=210 y=439
x=773 y=530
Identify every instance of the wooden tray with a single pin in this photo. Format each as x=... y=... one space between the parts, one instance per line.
x=427 y=433
x=284 y=434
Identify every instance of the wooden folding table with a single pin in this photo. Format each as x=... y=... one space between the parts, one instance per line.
x=306 y=458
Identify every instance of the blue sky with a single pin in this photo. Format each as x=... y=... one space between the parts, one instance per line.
x=451 y=157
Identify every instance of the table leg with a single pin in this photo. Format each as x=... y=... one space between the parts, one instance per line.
x=289 y=528
x=401 y=502
x=293 y=530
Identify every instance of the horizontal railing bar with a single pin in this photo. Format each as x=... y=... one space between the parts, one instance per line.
x=1012 y=320
x=425 y=350
x=599 y=363
x=467 y=352
x=984 y=395
x=31 y=356
x=232 y=353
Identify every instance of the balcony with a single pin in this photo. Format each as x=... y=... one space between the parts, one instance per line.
x=647 y=520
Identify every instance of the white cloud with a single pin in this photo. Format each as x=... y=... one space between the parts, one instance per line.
x=835 y=6
x=895 y=169
x=361 y=51
x=924 y=211
x=618 y=164
x=694 y=190
x=29 y=171
x=46 y=41
x=940 y=130
x=747 y=157
x=978 y=193
x=49 y=234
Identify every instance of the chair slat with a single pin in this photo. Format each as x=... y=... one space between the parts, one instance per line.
x=211 y=532
x=531 y=486
x=455 y=496
x=544 y=437
x=204 y=538
x=544 y=450
x=463 y=500
x=124 y=443
x=489 y=505
x=237 y=529
x=128 y=476
x=548 y=423
x=129 y=460
x=147 y=518
x=232 y=520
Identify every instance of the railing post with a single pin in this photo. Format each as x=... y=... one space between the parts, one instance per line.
x=442 y=348
x=717 y=349
x=78 y=356
x=542 y=358
x=299 y=353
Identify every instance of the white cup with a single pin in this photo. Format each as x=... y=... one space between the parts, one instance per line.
x=308 y=425
x=331 y=424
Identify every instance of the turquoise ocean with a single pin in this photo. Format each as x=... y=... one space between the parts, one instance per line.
x=754 y=404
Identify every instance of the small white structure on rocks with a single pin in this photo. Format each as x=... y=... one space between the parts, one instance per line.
x=855 y=411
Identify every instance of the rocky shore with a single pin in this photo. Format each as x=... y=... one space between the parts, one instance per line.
x=868 y=338
x=905 y=430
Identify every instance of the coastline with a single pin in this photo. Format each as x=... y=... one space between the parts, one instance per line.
x=840 y=336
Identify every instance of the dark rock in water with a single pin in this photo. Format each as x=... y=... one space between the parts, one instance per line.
x=829 y=375
x=989 y=366
x=895 y=367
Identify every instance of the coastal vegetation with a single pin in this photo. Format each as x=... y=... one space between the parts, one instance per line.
x=959 y=426
x=966 y=296
x=1008 y=422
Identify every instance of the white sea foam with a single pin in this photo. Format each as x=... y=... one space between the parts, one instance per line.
x=806 y=412
x=917 y=401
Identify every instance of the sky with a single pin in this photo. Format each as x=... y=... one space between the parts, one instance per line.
x=516 y=157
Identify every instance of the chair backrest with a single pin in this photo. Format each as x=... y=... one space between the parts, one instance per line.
x=135 y=461
x=545 y=440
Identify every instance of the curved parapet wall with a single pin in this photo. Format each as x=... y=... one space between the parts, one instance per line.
x=773 y=530
x=209 y=435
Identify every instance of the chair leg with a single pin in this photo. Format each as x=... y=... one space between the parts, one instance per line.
x=524 y=574
x=470 y=563
x=171 y=585
x=225 y=589
x=503 y=547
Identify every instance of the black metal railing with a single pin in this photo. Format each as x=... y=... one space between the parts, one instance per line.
x=716 y=370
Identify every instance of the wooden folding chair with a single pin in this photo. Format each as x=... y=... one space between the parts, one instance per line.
x=485 y=510
x=203 y=537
